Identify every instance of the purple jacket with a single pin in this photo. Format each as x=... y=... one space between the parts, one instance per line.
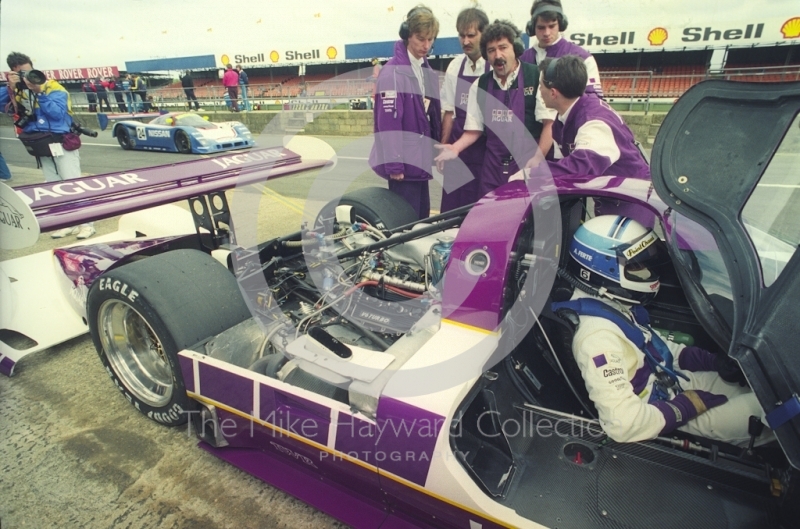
x=404 y=131
x=585 y=161
x=565 y=47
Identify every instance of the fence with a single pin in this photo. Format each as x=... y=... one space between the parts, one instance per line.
x=635 y=88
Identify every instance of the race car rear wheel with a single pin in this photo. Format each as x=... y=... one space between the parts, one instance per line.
x=124 y=138
x=142 y=314
x=182 y=142
x=377 y=206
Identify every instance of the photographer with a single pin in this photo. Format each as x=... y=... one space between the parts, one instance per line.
x=45 y=118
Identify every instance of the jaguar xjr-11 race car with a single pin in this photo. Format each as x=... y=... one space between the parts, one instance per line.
x=403 y=373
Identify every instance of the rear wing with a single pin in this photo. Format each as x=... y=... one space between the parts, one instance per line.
x=67 y=203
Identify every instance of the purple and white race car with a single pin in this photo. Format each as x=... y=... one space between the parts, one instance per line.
x=397 y=373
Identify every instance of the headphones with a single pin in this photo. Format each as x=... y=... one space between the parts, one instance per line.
x=404 y=32
x=530 y=28
x=549 y=77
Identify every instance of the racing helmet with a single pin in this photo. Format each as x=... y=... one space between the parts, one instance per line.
x=615 y=255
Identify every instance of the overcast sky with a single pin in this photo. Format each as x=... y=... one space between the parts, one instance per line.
x=80 y=33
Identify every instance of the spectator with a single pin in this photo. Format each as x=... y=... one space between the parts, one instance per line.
x=243 y=82
x=230 y=80
x=546 y=24
x=48 y=107
x=141 y=90
x=116 y=89
x=407 y=114
x=91 y=94
x=102 y=93
x=460 y=179
x=376 y=70
x=227 y=98
x=127 y=88
x=187 y=82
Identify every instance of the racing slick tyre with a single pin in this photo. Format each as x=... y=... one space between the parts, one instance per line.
x=124 y=138
x=143 y=313
x=182 y=142
x=377 y=206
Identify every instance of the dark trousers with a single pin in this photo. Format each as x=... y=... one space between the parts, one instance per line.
x=145 y=102
x=92 y=100
x=416 y=193
x=191 y=97
x=233 y=93
x=102 y=97
x=120 y=102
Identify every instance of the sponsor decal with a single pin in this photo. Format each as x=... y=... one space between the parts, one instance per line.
x=141 y=134
x=584 y=255
x=331 y=52
x=258 y=58
x=79 y=187
x=108 y=283
x=158 y=133
x=528 y=90
x=582 y=39
x=291 y=453
x=791 y=28
x=225 y=59
x=502 y=116
x=299 y=55
x=632 y=251
x=657 y=36
x=464 y=99
x=10 y=216
x=710 y=34
x=600 y=360
x=274 y=56
x=239 y=159
x=612 y=372
x=167 y=417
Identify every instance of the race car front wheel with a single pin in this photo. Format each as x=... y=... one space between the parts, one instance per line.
x=143 y=313
x=182 y=142
x=124 y=138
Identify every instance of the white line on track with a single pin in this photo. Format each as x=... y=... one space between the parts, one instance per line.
x=788 y=186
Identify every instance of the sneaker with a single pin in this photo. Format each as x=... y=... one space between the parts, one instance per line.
x=86 y=232
x=64 y=232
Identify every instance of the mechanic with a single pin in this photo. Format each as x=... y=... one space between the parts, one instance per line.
x=460 y=185
x=641 y=385
x=546 y=24
x=187 y=82
x=590 y=137
x=230 y=80
x=501 y=104
x=46 y=108
x=408 y=112
x=243 y=82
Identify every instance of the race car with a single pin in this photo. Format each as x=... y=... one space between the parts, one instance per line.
x=182 y=132
x=400 y=373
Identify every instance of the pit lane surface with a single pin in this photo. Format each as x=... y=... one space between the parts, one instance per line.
x=74 y=453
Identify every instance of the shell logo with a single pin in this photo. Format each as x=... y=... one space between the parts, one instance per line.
x=791 y=28
x=274 y=56
x=224 y=59
x=331 y=52
x=657 y=36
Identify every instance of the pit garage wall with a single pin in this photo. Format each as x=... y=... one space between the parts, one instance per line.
x=352 y=122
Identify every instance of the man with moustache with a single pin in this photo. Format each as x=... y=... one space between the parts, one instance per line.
x=461 y=178
x=408 y=113
x=502 y=104
x=546 y=24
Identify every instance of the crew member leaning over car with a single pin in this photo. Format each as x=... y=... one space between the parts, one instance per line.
x=407 y=113
x=641 y=385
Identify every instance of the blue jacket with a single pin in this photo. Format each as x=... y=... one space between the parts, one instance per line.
x=243 y=80
x=51 y=107
x=404 y=131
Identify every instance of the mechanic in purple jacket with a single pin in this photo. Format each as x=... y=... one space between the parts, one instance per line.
x=546 y=24
x=590 y=137
x=408 y=112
